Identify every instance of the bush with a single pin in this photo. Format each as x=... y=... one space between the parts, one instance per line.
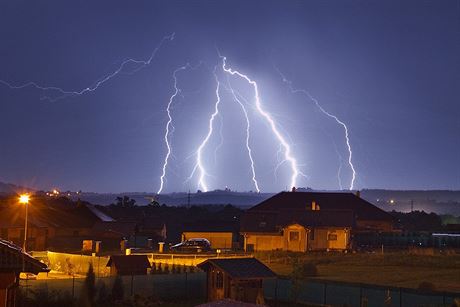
x=117 y=289
x=302 y=270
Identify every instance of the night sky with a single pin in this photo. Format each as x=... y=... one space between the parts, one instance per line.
x=389 y=70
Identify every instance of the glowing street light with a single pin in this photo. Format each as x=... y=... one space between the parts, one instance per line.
x=24 y=200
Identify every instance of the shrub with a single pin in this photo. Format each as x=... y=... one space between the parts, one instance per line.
x=117 y=289
x=302 y=270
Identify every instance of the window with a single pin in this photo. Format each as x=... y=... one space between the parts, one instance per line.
x=312 y=234
x=219 y=280
x=294 y=236
x=332 y=236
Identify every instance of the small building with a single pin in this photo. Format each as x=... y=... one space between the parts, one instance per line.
x=12 y=262
x=310 y=221
x=128 y=265
x=237 y=279
x=221 y=235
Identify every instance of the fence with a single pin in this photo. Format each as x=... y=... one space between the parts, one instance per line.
x=161 y=286
x=330 y=293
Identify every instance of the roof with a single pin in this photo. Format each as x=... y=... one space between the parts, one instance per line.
x=362 y=209
x=101 y=215
x=243 y=268
x=13 y=258
x=48 y=212
x=131 y=262
x=273 y=222
x=123 y=229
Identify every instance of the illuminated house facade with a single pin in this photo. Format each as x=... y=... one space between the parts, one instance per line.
x=310 y=221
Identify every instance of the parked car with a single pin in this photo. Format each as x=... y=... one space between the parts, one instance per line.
x=194 y=245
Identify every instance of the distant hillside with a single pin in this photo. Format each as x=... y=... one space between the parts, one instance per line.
x=9 y=188
x=438 y=201
x=182 y=199
x=441 y=202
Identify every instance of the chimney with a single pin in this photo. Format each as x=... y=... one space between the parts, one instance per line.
x=293 y=189
x=358 y=193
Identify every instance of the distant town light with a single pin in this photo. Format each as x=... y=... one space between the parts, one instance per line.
x=392 y=201
x=24 y=199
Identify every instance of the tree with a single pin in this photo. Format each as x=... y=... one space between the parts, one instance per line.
x=117 y=289
x=88 y=292
x=125 y=202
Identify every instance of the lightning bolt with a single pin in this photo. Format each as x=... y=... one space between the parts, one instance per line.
x=337 y=120
x=61 y=93
x=169 y=124
x=199 y=152
x=248 y=127
x=287 y=148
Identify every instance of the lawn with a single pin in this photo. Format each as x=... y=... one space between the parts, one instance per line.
x=398 y=269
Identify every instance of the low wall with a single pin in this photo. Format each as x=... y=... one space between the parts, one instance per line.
x=78 y=264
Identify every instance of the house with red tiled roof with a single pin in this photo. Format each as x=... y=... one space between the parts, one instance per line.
x=310 y=221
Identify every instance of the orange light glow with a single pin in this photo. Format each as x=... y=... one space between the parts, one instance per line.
x=24 y=198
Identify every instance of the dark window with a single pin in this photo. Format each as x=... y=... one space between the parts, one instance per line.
x=332 y=237
x=249 y=247
x=219 y=280
x=294 y=236
x=312 y=234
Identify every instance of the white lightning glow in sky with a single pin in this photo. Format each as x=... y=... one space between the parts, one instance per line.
x=286 y=147
x=61 y=93
x=169 y=125
x=341 y=123
x=202 y=184
x=248 y=128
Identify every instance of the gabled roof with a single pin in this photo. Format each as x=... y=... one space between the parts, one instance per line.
x=131 y=262
x=12 y=258
x=49 y=212
x=272 y=222
x=124 y=229
x=242 y=268
x=362 y=209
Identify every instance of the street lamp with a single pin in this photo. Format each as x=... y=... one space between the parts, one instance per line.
x=24 y=199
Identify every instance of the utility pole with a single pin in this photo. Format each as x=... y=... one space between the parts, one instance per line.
x=412 y=205
x=188 y=199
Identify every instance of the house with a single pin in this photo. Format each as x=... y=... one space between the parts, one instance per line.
x=221 y=235
x=12 y=262
x=237 y=279
x=57 y=223
x=128 y=265
x=310 y=221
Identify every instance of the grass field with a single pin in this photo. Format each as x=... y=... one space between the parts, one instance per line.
x=398 y=269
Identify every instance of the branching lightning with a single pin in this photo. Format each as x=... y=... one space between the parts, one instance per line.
x=248 y=127
x=61 y=93
x=169 y=125
x=199 y=165
x=341 y=123
x=287 y=148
